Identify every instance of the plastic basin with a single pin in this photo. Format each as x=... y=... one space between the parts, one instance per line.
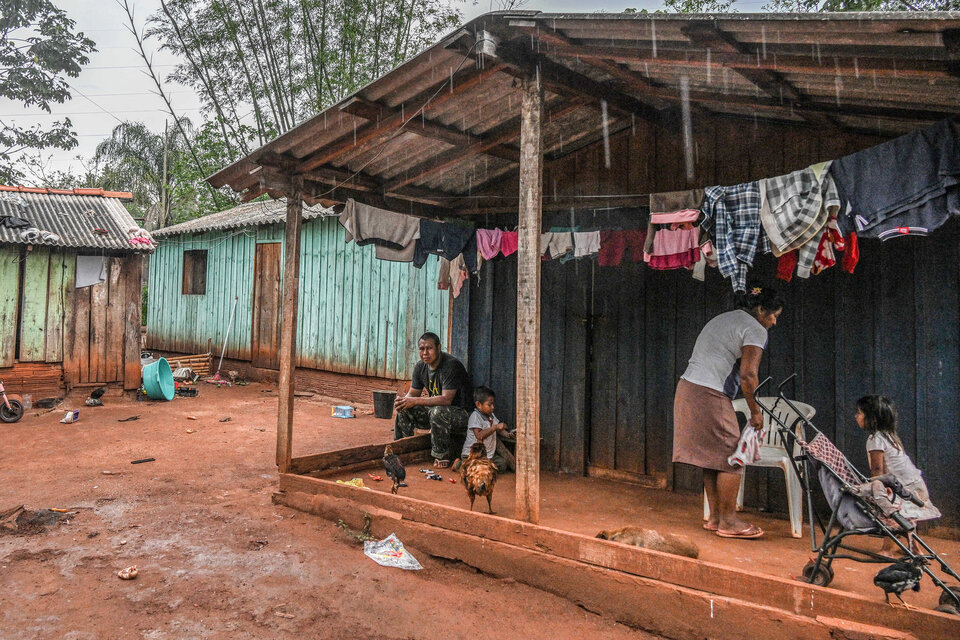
x=158 y=380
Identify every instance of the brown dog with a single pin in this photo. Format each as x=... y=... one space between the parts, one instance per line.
x=650 y=539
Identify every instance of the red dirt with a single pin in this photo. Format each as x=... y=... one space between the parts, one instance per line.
x=216 y=559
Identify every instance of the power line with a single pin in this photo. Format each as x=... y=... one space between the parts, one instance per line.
x=88 y=113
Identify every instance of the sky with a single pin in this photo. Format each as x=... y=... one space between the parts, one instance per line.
x=113 y=86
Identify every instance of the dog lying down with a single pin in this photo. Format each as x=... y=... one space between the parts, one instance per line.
x=650 y=539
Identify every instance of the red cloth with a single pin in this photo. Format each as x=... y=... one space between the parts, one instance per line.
x=508 y=243
x=675 y=261
x=786 y=265
x=634 y=239
x=851 y=255
x=612 y=246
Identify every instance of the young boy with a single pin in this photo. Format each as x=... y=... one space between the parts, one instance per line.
x=483 y=426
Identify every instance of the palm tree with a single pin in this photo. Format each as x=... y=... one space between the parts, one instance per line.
x=132 y=159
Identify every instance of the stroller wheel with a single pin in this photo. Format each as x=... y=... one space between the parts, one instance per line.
x=947 y=599
x=819 y=575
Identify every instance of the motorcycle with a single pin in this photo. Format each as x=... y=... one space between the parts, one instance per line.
x=11 y=409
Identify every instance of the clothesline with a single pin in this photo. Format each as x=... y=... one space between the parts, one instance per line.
x=907 y=186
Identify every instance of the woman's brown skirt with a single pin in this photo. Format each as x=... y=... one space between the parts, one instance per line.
x=705 y=428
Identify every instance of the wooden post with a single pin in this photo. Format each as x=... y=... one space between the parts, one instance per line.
x=528 y=304
x=288 y=329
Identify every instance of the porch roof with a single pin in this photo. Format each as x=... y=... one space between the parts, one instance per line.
x=440 y=133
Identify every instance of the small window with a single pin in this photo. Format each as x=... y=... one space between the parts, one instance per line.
x=195 y=272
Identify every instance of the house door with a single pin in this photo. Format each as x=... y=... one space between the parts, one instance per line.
x=265 y=337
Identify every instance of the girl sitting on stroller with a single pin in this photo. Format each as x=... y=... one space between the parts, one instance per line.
x=877 y=415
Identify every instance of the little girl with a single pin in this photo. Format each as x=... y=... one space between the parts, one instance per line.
x=878 y=416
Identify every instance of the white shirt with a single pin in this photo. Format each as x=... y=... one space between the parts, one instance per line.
x=479 y=421
x=898 y=462
x=714 y=362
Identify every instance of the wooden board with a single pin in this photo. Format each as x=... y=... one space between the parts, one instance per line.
x=99 y=299
x=56 y=294
x=115 y=314
x=33 y=308
x=132 y=320
x=9 y=301
x=334 y=460
x=265 y=338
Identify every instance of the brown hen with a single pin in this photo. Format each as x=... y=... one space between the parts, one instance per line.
x=479 y=474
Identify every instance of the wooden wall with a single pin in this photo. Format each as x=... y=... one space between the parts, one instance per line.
x=357 y=314
x=93 y=333
x=616 y=339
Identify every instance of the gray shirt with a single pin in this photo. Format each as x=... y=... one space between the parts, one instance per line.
x=479 y=421
x=715 y=362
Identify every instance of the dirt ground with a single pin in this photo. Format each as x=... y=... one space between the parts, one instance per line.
x=216 y=558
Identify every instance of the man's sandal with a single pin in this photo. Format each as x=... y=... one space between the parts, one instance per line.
x=441 y=464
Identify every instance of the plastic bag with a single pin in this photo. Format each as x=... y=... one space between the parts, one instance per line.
x=390 y=552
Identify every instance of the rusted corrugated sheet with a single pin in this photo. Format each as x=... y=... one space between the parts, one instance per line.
x=75 y=219
x=251 y=214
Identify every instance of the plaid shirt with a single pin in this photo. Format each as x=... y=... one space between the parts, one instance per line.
x=792 y=207
x=732 y=216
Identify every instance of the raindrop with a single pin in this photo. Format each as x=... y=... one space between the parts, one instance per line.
x=763 y=40
x=451 y=79
x=874 y=72
x=838 y=84
x=817 y=48
x=856 y=68
x=708 y=67
x=687 y=126
x=606 y=134
x=653 y=37
x=633 y=124
x=354 y=132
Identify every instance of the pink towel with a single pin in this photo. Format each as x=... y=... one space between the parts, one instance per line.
x=488 y=242
x=748 y=448
x=508 y=243
x=686 y=215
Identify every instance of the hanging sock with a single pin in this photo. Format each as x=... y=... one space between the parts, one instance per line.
x=851 y=255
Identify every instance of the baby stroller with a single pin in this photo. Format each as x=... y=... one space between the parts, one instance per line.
x=859 y=506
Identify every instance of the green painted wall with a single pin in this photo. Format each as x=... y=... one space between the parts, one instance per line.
x=9 y=294
x=356 y=314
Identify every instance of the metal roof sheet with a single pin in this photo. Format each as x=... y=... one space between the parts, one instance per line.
x=889 y=72
x=81 y=221
x=250 y=214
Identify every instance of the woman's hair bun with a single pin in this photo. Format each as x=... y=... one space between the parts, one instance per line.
x=757 y=295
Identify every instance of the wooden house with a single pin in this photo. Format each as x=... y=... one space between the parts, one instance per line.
x=357 y=315
x=56 y=331
x=530 y=119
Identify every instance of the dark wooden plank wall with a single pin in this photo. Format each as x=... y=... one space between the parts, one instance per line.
x=616 y=339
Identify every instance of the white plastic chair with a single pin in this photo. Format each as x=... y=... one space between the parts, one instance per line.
x=773 y=453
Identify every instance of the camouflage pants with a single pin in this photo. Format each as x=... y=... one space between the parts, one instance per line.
x=448 y=428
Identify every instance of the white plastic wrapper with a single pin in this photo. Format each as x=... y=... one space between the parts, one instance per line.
x=390 y=552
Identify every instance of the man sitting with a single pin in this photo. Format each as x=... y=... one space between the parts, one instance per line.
x=445 y=410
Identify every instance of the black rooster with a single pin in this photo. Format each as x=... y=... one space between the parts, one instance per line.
x=899 y=577
x=394 y=468
x=96 y=394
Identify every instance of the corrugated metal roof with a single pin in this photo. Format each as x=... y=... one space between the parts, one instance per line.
x=80 y=221
x=250 y=214
x=443 y=126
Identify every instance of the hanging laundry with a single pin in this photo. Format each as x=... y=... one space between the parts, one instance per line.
x=733 y=215
x=851 y=254
x=586 y=243
x=786 y=265
x=676 y=201
x=899 y=232
x=635 y=239
x=830 y=243
x=452 y=274
x=13 y=222
x=795 y=207
x=675 y=217
x=91 y=270
x=394 y=233
x=488 y=242
x=675 y=248
x=508 y=243
x=612 y=246
x=445 y=240
x=910 y=181
x=558 y=244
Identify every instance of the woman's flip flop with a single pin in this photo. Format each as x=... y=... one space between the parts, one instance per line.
x=748 y=533
x=710 y=527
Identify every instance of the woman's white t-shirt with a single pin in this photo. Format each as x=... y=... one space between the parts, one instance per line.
x=715 y=360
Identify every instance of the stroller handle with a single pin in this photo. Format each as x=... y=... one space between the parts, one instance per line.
x=890 y=481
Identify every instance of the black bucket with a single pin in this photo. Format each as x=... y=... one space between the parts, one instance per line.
x=383 y=404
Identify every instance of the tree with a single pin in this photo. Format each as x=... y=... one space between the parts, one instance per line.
x=38 y=49
x=132 y=159
x=271 y=64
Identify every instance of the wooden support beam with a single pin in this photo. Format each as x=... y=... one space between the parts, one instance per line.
x=505 y=132
x=528 y=303
x=360 y=181
x=288 y=327
x=375 y=112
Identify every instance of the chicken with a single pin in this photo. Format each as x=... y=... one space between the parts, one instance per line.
x=899 y=577
x=650 y=539
x=96 y=394
x=394 y=468
x=479 y=474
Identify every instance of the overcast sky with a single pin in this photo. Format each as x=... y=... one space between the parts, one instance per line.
x=114 y=87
